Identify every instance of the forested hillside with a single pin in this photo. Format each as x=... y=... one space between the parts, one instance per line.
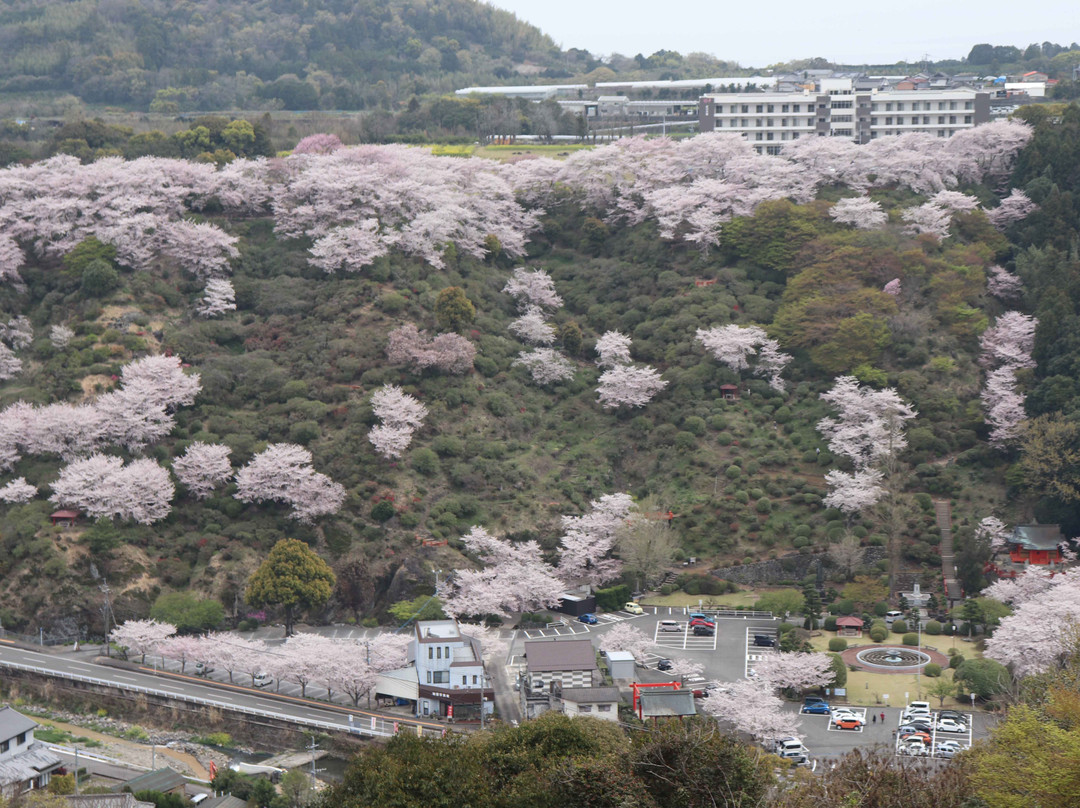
x=248 y=54
x=292 y=291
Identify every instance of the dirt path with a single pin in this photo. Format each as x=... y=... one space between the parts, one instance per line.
x=136 y=753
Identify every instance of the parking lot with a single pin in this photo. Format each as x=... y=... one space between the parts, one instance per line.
x=684 y=639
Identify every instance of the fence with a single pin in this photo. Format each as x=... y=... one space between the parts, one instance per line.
x=366 y=724
x=744 y=614
x=41 y=638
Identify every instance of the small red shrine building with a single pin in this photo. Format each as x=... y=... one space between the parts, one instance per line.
x=1036 y=544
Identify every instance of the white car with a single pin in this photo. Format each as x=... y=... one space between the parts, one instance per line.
x=261 y=679
x=915 y=748
x=847 y=716
x=954 y=746
x=949 y=725
x=908 y=715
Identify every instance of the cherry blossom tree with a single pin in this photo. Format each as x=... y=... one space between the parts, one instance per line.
x=218 y=298
x=1041 y=631
x=450 y=352
x=1003 y=406
x=681 y=667
x=401 y=415
x=514 y=578
x=929 y=219
x=589 y=539
x=625 y=637
x=140 y=636
x=202 y=467
x=954 y=201
x=60 y=336
x=795 y=671
x=1030 y=583
x=533 y=288
x=103 y=486
x=17 y=491
x=10 y=365
x=546 y=365
x=892 y=287
x=634 y=387
x=1009 y=341
x=854 y=492
x=11 y=260
x=161 y=381
x=17 y=332
x=733 y=345
x=364 y=661
x=318 y=144
x=182 y=648
x=993 y=532
x=859 y=211
x=750 y=708
x=533 y=328
x=202 y=248
x=282 y=472
x=1003 y=284
x=351 y=248
x=613 y=348
x=1013 y=208
x=870 y=426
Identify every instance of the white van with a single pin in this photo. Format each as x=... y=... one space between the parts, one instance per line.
x=892 y=617
x=670 y=625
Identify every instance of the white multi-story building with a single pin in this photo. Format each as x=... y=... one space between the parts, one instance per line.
x=837 y=109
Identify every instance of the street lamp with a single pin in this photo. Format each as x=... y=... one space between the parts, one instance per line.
x=973 y=708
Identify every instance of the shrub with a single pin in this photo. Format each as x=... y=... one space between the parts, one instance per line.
x=933 y=627
x=830 y=623
x=695 y=425
x=932 y=669
x=837 y=644
x=956 y=660
x=881 y=608
x=425 y=461
x=733 y=472
x=764 y=505
x=899 y=627
x=845 y=606
x=742 y=497
x=383 y=510
x=612 y=598
x=879 y=633
x=911 y=638
x=784 y=628
x=685 y=441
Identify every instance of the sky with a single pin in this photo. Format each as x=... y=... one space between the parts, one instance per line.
x=784 y=30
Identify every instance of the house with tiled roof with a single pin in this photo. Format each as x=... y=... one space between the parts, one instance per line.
x=25 y=764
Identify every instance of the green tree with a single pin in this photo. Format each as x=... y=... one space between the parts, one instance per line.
x=296 y=788
x=355 y=587
x=983 y=677
x=570 y=335
x=941 y=689
x=839 y=669
x=99 y=278
x=453 y=309
x=781 y=602
x=1027 y=761
x=422 y=607
x=186 y=611
x=292 y=577
x=812 y=610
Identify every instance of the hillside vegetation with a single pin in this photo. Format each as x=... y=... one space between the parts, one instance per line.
x=299 y=358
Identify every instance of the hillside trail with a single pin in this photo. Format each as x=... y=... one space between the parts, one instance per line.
x=138 y=754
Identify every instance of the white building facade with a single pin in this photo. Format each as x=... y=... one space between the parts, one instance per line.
x=837 y=109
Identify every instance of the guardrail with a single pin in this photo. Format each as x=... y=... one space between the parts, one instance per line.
x=374 y=726
x=736 y=613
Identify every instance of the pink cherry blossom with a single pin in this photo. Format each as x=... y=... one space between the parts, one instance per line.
x=1040 y=632
x=871 y=423
x=532 y=327
x=450 y=352
x=632 y=386
x=282 y=472
x=103 y=486
x=1003 y=406
x=859 y=211
x=993 y=532
x=795 y=671
x=18 y=490
x=533 y=288
x=141 y=636
x=750 y=708
x=1013 y=208
x=318 y=144
x=1009 y=341
x=853 y=492
x=613 y=348
x=1003 y=284
x=545 y=365
x=218 y=298
x=588 y=540
x=929 y=219
x=625 y=637
x=60 y=336
x=203 y=467
x=892 y=287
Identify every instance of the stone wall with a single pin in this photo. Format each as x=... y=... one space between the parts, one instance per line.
x=793 y=567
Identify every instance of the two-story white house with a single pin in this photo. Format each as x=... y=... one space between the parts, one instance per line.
x=445 y=676
x=25 y=764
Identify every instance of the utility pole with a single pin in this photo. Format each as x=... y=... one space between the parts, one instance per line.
x=106 y=614
x=314 y=771
x=76 y=770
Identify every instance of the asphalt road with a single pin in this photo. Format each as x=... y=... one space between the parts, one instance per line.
x=191 y=688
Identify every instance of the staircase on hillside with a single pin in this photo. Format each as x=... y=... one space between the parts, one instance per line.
x=943 y=511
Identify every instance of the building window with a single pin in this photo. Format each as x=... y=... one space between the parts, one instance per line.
x=772 y=150
x=464 y=679
x=438 y=652
x=888 y=107
x=794 y=135
x=768 y=135
x=796 y=108
x=757 y=122
x=745 y=122
x=969 y=105
x=3 y=746
x=448 y=652
x=941 y=119
x=941 y=105
x=760 y=108
x=584 y=708
x=759 y=136
x=783 y=121
x=474 y=678
x=967 y=119
x=899 y=106
x=20 y=739
x=873 y=121
x=429 y=677
x=430 y=652
x=841 y=105
x=926 y=120
x=769 y=108
x=952 y=119
x=441 y=677
x=745 y=108
x=784 y=108
x=841 y=118
x=952 y=105
x=604 y=708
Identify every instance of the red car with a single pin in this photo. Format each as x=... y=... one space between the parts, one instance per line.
x=697 y=621
x=848 y=723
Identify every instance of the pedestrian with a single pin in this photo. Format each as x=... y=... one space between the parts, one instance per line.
x=882 y=716
x=873 y=718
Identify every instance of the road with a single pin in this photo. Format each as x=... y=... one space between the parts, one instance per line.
x=225 y=695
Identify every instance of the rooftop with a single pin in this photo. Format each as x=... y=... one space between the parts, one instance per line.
x=163 y=780
x=560 y=655
x=1037 y=537
x=12 y=723
x=124 y=800
x=667 y=703
x=438 y=629
x=591 y=695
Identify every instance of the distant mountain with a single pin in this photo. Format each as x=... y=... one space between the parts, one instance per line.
x=329 y=54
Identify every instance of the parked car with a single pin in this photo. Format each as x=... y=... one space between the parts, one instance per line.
x=959 y=718
x=954 y=745
x=764 y=641
x=816 y=706
x=664 y=665
x=698 y=616
x=915 y=748
x=908 y=728
x=697 y=621
x=704 y=631
x=918 y=705
x=916 y=715
x=916 y=736
x=848 y=722
x=839 y=713
x=704 y=690
x=203 y=668
x=633 y=607
x=949 y=725
x=588 y=618
x=261 y=679
x=669 y=625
